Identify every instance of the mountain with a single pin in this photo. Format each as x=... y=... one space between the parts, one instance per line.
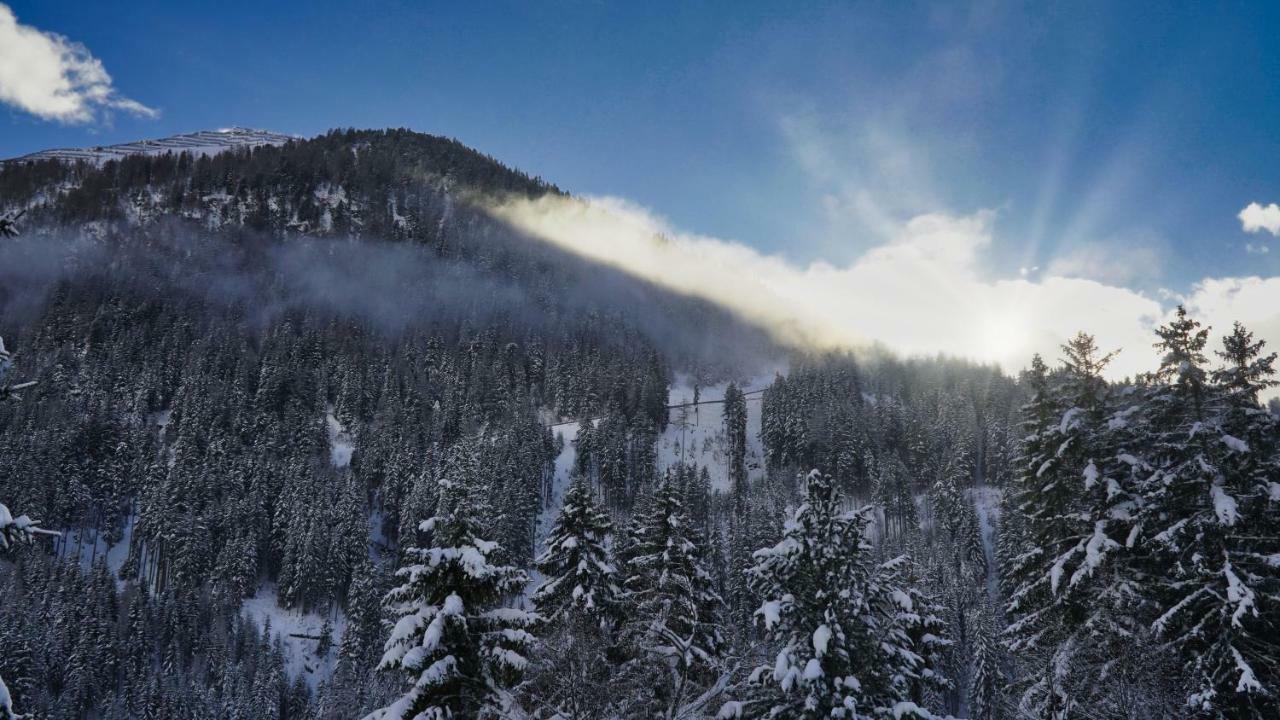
x=205 y=142
x=249 y=378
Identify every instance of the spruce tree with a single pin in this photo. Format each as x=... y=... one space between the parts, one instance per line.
x=578 y=574
x=1073 y=508
x=987 y=681
x=671 y=607
x=578 y=600
x=833 y=619
x=735 y=430
x=1212 y=517
x=454 y=639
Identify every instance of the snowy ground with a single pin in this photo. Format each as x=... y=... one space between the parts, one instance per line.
x=86 y=548
x=560 y=482
x=300 y=657
x=340 y=443
x=695 y=435
x=986 y=503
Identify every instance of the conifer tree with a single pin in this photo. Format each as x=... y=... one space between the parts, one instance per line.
x=460 y=648
x=986 y=682
x=735 y=430
x=1211 y=512
x=578 y=601
x=579 y=576
x=1066 y=593
x=833 y=619
x=672 y=609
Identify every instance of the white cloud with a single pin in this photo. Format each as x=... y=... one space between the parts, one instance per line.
x=1256 y=249
x=53 y=78
x=1255 y=217
x=922 y=292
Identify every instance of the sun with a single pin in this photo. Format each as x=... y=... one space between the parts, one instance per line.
x=1003 y=334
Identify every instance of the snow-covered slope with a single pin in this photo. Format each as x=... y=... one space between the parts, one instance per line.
x=695 y=433
x=205 y=142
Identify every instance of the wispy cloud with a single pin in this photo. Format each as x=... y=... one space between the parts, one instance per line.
x=54 y=78
x=1115 y=262
x=1255 y=217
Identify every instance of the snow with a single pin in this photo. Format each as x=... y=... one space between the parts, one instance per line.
x=821 y=638
x=565 y=461
x=906 y=708
x=730 y=710
x=6 y=702
x=1129 y=460
x=205 y=142
x=1095 y=550
x=1235 y=443
x=1224 y=506
x=1070 y=419
x=1090 y=475
x=986 y=505
x=299 y=653
x=771 y=611
x=812 y=669
x=695 y=435
x=1238 y=594
x=341 y=446
x=1248 y=681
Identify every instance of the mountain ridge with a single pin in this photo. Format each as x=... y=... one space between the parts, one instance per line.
x=201 y=142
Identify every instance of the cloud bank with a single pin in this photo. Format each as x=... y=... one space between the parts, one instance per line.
x=921 y=292
x=1255 y=217
x=53 y=78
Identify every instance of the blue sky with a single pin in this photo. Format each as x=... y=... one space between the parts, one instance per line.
x=1113 y=141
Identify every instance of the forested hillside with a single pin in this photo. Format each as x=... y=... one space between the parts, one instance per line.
x=323 y=438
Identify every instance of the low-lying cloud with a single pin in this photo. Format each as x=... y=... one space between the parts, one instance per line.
x=924 y=291
x=54 y=78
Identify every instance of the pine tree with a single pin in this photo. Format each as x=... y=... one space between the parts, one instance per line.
x=672 y=609
x=1074 y=506
x=1211 y=512
x=735 y=430
x=454 y=640
x=833 y=618
x=579 y=576
x=987 y=682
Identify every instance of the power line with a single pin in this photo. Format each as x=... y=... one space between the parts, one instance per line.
x=669 y=408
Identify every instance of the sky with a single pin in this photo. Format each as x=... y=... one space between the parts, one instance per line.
x=1038 y=157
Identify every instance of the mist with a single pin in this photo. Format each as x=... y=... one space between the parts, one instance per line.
x=499 y=276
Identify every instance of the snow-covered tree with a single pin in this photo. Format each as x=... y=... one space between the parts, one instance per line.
x=578 y=601
x=986 y=681
x=455 y=639
x=9 y=223
x=735 y=430
x=14 y=531
x=844 y=632
x=579 y=575
x=1211 y=510
x=671 y=608
x=1074 y=512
